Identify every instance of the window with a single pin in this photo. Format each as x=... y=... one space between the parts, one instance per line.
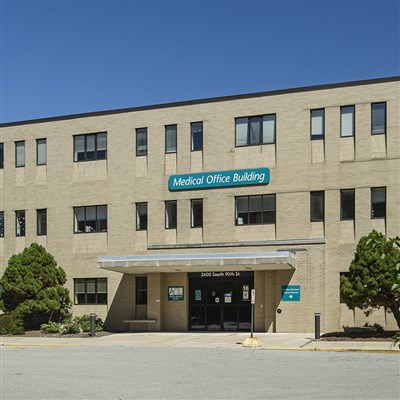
x=170 y=215
x=41 y=152
x=20 y=223
x=141 y=290
x=1 y=223
x=317 y=203
x=41 y=219
x=347 y=275
x=170 y=138
x=251 y=210
x=90 y=219
x=141 y=142
x=317 y=124
x=347 y=204
x=255 y=130
x=197 y=136
x=378 y=118
x=1 y=155
x=197 y=213
x=378 y=202
x=347 y=121
x=90 y=147
x=141 y=216
x=90 y=291
x=20 y=154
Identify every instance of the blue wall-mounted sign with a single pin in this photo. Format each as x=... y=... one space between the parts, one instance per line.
x=291 y=293
x=175 y=293
x=217 y=179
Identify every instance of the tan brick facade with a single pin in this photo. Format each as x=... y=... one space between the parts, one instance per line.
x=297 y=164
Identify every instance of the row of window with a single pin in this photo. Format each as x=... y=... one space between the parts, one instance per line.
x=250 y=131
x=250 y=210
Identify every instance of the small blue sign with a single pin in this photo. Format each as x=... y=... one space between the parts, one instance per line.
x=291 y=293
x=217 y=179
x=175 y=293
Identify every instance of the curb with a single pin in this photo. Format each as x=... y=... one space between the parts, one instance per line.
x=376 y=351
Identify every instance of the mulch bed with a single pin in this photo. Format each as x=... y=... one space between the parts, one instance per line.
x=59 y=335
x=385 y=336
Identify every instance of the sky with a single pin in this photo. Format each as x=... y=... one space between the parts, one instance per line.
x=67 y=57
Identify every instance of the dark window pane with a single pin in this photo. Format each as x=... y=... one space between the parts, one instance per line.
x=141 y=142
x=1 y=155
x=378 y=202
x=197 y=136
x=141 y=216
x=1 y=223
x=197 y=213
x=141 y=290
x=347 y=204
x=41 y=222
x=317 y=206
x=255 y=130
x=170 y=214
x=20 y=223
x=317 y=124
x=378 y=118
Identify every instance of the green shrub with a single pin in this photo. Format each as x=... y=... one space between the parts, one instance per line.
x=10 y=324
x=85 y=323
x=71 y=328
x=51 y=327
x=379 y=328
x=396 y=339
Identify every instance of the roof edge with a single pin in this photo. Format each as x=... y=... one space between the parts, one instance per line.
x=204 y=101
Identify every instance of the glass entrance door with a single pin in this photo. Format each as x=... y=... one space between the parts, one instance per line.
x=220 y=301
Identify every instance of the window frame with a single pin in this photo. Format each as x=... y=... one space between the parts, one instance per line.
x=1 y=155
x=37 y=151
x=193 y=219
x=192 y=132
x=138 y=215
x=353 y=121
x=97 y=220
x=320 y=136
x=141 y=291
x=17 y=163
x=342 y=192
x=271 y=195
x=167 y=224
x=372 y=203
x=2 y=224
x=166 y=139
x=96 y=150
x=96 y=292
x=22 y=231
x=312 y=211
x=248 y=141
x=39 y=213
x=385 y=118
x=138 y=132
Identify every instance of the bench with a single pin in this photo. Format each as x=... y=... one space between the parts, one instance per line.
x=139 y=321
x=360 y=330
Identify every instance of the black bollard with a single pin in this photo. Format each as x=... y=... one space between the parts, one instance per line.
x=317 y=325
x=92 y=325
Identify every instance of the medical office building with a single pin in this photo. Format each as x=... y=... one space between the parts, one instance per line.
x=165 y=217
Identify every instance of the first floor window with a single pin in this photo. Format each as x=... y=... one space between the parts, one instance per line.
x=197 y=213
x=317 y=124
x=41 y=218
x=256 y=209
x=141 y=290
x=141 y=142
x=378 y=202
x=347 y=204
x=141 y=216
x=317 y=205
x=41 y=152
x=170 y=138
x=170 y=214
x=1 y=223
x=378 y=118
x=90 y=147
x=20 y=223
x=255 y=130
x=347 y=121
x=1 y=155
x=197 y=136
x=89 y=219
x=20 y=154
x=90 y=291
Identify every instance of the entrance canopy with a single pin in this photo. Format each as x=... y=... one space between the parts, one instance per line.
x=198 y=262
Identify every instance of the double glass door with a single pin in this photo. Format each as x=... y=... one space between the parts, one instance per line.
x=221 y=302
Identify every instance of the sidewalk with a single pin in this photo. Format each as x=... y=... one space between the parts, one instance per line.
x=268 y=341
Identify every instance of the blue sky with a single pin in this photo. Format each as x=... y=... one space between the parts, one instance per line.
x=66 y=57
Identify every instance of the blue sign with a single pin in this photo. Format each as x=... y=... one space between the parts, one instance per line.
x=217 y=179
x=291 y=293
x=175 y=293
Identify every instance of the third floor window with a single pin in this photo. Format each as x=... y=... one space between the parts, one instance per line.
x=90 y=147
x=255 y=130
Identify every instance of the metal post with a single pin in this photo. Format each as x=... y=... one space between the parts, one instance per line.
x=92 y=325
x=317 y=325
x=252 y=320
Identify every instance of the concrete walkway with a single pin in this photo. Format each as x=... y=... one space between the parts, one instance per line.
x=268 y=341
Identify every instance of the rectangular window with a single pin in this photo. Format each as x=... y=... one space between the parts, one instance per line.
x=170 y=138
x=90 y=291
x=90 y=219
x=197 y=136
x=170 y=214
x=347 y=204
x=197 y=213
x=141 y=290
x=41 y=222
x=317 y=124
x=90 y=147
x=378 y=202
x=41 y=152
x=252 y=210
x=20 y=223
x=141 y=142
x=378 y=118
x=255 y=130
x=141 y=216
x=20 y=154
x=317 y=204
x=1 y=223
x=347 y=121
x=347 y=275
x=1 y=155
